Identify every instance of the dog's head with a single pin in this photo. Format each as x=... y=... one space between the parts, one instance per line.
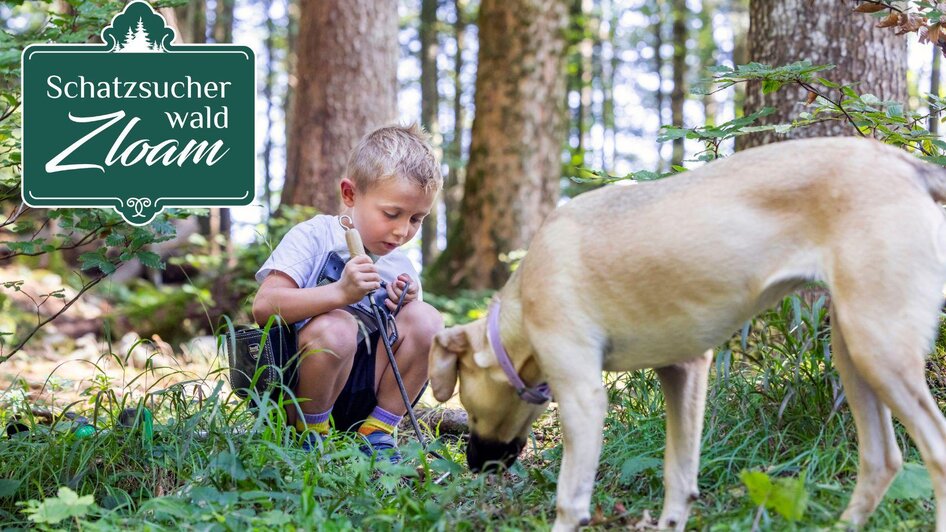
x=499 y=420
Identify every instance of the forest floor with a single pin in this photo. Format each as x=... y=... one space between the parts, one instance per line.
x=209 y=463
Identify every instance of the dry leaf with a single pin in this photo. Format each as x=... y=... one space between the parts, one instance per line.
x=923 y=34
x=598 y=517
x=812 y=96
x=889 y=21
x=910 y=22
x=619 y=508
x=933 y=33
x=868 y=7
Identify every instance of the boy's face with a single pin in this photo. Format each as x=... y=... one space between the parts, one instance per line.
x=389 y=213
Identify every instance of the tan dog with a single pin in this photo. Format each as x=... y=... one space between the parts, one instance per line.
x=654 y=275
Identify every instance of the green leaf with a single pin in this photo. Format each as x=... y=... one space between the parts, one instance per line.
x=771 y=85
x=115 y=239
x=275 y=518
x=913 y=482
x=66 y=505
x=758 y=484
x=895 y=110
x=671 y=133
x=638 y=464
x=96 y=259
x=228 y=464
x=789 y=498
x=8 y=486
x=150 y=259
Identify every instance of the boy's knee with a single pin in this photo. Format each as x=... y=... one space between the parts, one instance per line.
x=420 y=321
x=335 y=331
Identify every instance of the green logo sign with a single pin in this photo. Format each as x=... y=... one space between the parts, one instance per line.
x=137 y=123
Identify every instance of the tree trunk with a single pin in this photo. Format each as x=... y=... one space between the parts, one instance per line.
x=268 y=96
x=346 y=85
x=219 y=220
x=739 y=21
x=934 y=89
x=582 y=31
x=453 y=188
x=708 y=51
x=657 y=29
x=610 y=63
x=874 y=59
x=430 y=105
x=292 y=37
x=678 y=94
x=513 y=175
x=223 y=21
x=192 y=21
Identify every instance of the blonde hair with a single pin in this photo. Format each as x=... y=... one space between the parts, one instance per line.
x=395 y=151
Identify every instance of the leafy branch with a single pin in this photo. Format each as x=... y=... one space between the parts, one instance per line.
x=924 y=18
x=867 y=115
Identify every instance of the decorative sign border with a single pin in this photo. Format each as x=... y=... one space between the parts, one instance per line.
x=141 y=210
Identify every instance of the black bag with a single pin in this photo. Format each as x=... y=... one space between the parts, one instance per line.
x=272 y=353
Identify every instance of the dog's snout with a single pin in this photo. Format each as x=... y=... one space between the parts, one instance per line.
x=488 y=455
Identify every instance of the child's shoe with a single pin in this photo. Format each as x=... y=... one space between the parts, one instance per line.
x=382 y=444
x=311 y=441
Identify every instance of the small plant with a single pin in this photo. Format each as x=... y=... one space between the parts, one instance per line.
x=64 y=506
x=787 y=496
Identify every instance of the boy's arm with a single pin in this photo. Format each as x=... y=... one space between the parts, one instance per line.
x=279 y=293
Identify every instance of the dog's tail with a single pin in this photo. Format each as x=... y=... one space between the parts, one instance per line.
x=933 y=176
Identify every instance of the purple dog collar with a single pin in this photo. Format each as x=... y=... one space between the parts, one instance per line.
x=536 y=395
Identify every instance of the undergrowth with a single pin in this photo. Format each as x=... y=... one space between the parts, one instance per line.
x=209 y=462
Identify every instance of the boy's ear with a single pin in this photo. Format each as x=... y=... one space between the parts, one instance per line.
x=347 y=187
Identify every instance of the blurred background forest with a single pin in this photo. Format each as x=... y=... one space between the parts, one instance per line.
x=529 y=103
x=524 y=100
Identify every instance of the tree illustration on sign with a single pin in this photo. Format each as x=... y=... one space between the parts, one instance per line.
x=139 y=40
x=138 y=29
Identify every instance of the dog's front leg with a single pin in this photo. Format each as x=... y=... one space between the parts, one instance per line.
x=684 y=387
x=581 y=407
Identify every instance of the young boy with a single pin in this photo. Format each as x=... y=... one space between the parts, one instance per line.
x=389 y=188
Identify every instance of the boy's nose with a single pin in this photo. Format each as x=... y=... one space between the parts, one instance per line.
x=401 y=230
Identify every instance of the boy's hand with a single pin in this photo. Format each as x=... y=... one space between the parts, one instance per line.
x=359 y=278
x=395 y=289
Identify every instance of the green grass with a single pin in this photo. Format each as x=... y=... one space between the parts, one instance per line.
x=212 y=464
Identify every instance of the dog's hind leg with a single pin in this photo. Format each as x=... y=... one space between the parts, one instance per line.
x=878 y=454
x=684 y=388
x=886 y=307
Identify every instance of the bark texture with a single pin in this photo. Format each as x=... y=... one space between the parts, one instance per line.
x=345 y=86
x=512 y=179
x=430 y=106
x=784 y=31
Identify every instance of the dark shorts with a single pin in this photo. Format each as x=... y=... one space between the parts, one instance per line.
x=357 y=399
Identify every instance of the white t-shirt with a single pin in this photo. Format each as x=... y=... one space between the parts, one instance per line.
x=305 y=247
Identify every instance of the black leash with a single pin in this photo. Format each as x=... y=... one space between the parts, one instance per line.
x=355 y=248
x=397 y=374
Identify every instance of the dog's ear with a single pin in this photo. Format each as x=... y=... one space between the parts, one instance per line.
x=444 y=352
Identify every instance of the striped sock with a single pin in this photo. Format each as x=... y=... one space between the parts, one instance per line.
x=380 y=420
x=316 y=422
